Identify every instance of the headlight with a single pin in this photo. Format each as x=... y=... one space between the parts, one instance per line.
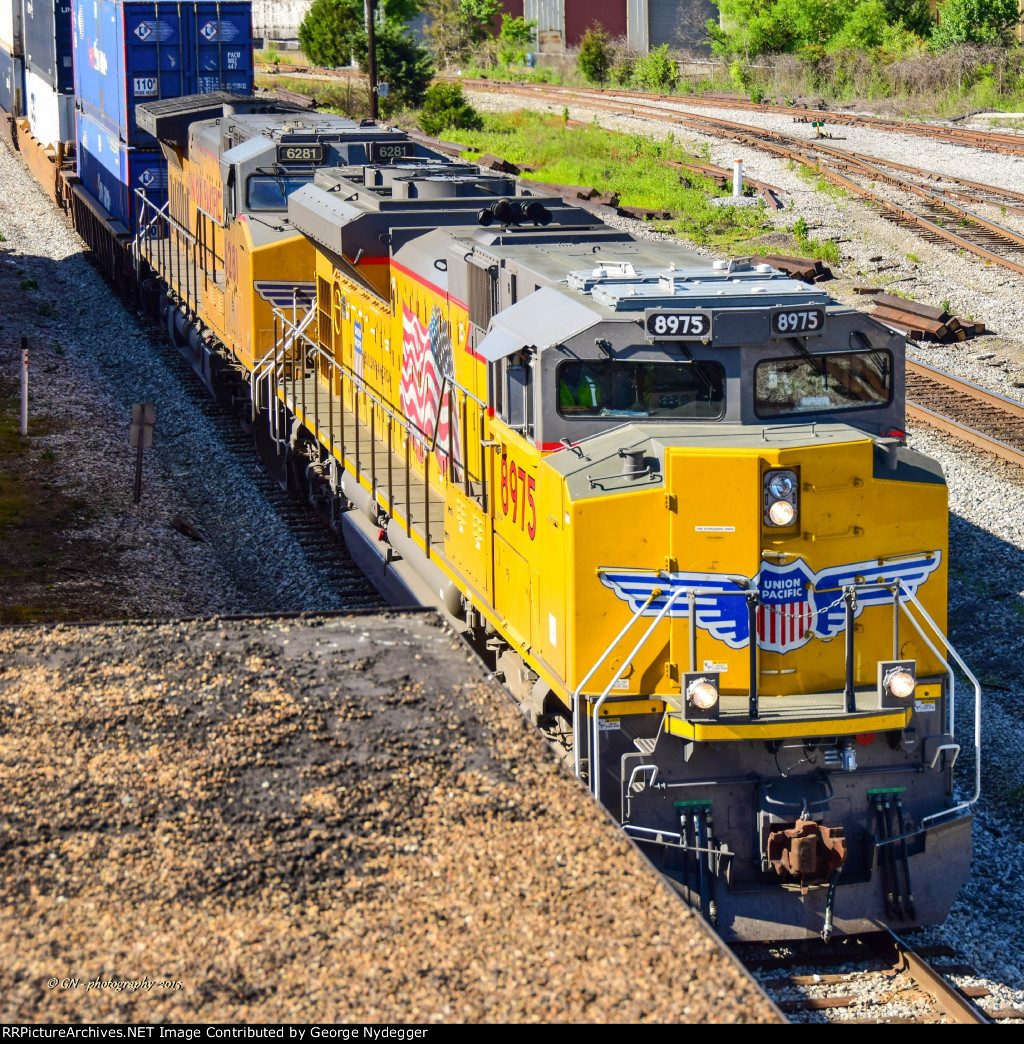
x=901 y=683
x=702 y=693
x=782 y=513
x=780 y=488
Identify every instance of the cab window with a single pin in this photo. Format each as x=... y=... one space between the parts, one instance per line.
x=267 y=192
x=822 y=383
x=688 y=390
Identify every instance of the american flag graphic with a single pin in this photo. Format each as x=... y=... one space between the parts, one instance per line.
x=423 y=370
x=784 y=625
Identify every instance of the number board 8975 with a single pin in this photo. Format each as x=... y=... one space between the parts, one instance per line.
x=800 y=321
x=677 y=325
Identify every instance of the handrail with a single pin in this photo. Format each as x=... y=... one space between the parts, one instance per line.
x=656 y=593
x=595 y=758
x=426 y=439
x=977 y=702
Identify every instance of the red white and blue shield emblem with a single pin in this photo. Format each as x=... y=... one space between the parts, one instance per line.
x=785 y=616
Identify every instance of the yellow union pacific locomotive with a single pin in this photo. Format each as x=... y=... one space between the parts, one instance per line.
x=671 y=498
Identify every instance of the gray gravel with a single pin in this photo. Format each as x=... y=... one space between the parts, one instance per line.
x=89 y=363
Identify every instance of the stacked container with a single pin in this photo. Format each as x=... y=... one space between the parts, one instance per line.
x=12 y=62
x=49 y=75
x=112 y=171
x=131 y=51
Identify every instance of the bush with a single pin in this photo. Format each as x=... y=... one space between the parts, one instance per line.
x=656 y=71
x=445 y=107
x=516 y=39
x=595 y=58
x=975 y=21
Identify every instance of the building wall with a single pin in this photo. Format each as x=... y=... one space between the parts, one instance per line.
x=278 y=19
x=580 y=15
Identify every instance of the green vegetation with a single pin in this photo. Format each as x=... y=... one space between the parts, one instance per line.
x=445 y=108
x=632 y=165
x=822 y=249
x=517 y=38
x=458 y=28
x=333 y=33
x=596 y=55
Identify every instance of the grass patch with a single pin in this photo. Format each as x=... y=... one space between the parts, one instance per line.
x=820 y=249
x=631 y=165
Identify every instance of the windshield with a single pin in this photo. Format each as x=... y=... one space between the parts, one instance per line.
x=615 y=388
x=822 y=383
x=267 y=192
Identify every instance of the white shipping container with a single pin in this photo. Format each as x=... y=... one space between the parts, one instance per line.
x=10 y=27
x=50 y=115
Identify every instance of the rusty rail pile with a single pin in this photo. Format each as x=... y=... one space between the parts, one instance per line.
x=808 y=269
x=923 y=322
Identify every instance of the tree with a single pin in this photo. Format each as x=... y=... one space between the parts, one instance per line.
x=975 y=21
x=334 y=32
x=516 y=38
x=595 y=57
x=328 y=32
x=458 y=26
x=401 y=63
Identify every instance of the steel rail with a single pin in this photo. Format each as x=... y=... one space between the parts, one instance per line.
x=791 y=148
x=961 y=431
x=994 y=141
x=975 y=391
x=948 y=999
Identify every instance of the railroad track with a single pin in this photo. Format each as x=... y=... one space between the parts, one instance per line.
x=985 y=419
x=870 y=979
x=993 y=141
x=933 y=212
x=324 y=548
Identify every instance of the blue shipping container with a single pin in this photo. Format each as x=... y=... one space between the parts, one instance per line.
x=12 y=84
x=131 y=51
x=48 y=42
x=112 y=171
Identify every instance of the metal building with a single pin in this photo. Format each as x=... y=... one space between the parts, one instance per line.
x=646 y=23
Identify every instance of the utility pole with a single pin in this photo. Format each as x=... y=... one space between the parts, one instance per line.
x=371 y=55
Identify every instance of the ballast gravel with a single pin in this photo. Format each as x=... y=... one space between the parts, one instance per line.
x=90 y=360
x=321 y=820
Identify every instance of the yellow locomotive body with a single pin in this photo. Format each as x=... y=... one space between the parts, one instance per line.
x=670 y=498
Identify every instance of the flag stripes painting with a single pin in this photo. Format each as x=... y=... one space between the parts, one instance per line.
x=420 y=392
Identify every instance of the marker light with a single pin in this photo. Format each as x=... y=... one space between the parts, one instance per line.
x=901 y=683
x=897 y=682
x=702 y=693
x=782 y=513
x=781 y=485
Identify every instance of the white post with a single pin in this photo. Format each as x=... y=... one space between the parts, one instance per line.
x=24 y=386
x=737 y=177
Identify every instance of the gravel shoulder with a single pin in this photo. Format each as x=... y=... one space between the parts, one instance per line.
x=316 y=820
x=90 y=359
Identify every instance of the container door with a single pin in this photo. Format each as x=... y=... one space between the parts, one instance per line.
x=221 y=47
